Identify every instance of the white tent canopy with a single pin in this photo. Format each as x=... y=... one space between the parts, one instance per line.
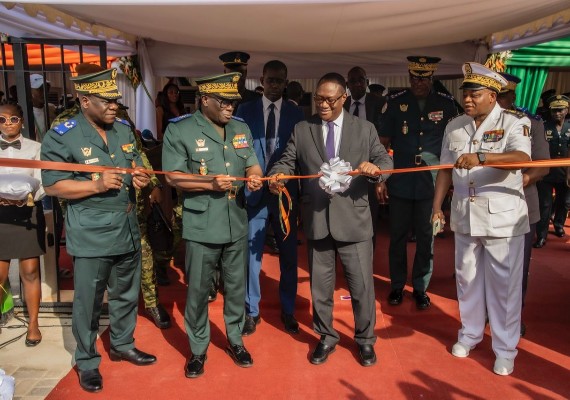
x=185 y=37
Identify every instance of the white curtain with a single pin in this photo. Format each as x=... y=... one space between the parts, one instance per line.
x=146 y=113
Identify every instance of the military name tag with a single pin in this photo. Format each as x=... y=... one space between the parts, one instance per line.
x=201 y=149
x=435 y=116
x=493 y=136
x=91 y=161
x=128 y=148
x=240 y=141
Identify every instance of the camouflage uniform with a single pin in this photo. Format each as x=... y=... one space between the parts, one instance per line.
x=148 y=275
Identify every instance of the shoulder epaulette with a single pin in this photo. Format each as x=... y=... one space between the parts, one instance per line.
x=529 y=114
x=64 y=127
x=238 y=118
x=180 y=118
x=122 y=121
x=395 y=95
x=458 y=115
x=517 y=114
x=447 y=96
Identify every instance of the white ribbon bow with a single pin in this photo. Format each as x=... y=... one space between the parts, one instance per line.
x=334 y=177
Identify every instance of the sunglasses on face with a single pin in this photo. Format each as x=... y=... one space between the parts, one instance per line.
x=13 y=120
x=225 y=103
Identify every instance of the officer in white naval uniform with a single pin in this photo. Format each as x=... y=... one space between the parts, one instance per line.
x=488 y=214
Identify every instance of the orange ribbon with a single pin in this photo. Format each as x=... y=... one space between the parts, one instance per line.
x=284 y=217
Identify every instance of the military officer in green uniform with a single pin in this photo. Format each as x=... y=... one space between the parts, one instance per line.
x=150 y=258
x=217 y=146
x=413 y=125
x=101 y=225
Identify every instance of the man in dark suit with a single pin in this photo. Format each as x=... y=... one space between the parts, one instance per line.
x=360 y=103
x=271 y=120
x=368 y=107
x=339 y=223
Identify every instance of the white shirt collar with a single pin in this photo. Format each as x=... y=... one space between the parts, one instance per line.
x=338 y=121
x=267 y=103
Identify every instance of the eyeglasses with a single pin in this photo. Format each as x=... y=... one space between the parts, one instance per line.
x=225 y=103
x=13 y=120
x=330 y=102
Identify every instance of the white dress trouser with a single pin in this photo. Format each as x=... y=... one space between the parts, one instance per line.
x=489 y=276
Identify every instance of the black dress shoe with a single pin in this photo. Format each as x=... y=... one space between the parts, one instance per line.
x=91 y=380
x=133 y=355
x=539 y=243
x=32 y=342
x=291 y=324
x=159 y=316
x=162 y=276
x=422 y=300
x=213 y=295
x=195 y=366
x=250 y=325
x=240 y=355
x=367 y=355
x=321 y=353
x=559 y=232
x=395 y=297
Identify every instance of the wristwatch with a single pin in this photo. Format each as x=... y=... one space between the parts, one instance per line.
x=481 y=157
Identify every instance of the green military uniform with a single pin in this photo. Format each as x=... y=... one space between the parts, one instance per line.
x=149 y=287
x=102 y=232
x=214 y=223
x=415 y=129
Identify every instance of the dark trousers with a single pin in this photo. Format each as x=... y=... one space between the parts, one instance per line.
x=201 y=261
x=404 y=215
x=356 y=260
x=560 y=206
x=121 y=276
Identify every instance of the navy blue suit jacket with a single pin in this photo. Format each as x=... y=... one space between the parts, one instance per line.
x=252 y=114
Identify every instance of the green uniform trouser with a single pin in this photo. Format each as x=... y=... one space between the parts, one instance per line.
x=201 y=260
x=120 y=275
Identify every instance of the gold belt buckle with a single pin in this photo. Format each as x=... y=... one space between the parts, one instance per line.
x=418 y=159
x=232 y=192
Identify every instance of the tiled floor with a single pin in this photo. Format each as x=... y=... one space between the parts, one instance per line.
x=38 y=369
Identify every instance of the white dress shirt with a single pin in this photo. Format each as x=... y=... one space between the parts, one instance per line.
x=361 y=106
x=30 y=150
x=337 y=132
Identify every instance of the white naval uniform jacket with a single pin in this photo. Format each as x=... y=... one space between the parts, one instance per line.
x=487 y=201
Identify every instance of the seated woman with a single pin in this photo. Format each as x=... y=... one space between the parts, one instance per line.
x=22 y=223
x=171 y=106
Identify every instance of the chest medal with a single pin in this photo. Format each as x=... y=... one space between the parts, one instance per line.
x=203 y=170
x=405 y=128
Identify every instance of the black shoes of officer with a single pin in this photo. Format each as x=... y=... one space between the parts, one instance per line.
x=395 y=297
x=159 y=316
x=539 y=243
x=91 y=380
x=195 y=366
x=250 y=325
x=291 y=324
x=321 y=353
x=422 y=300
x=134 y=356
x=162 y=276
x=559 y=232
x=367 y=355
x=240 y=355
x=213 y=295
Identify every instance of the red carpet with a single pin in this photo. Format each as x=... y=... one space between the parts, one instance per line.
x=413 y=347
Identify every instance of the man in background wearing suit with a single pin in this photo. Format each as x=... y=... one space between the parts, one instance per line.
x=339 y=223
x=271 y=120
x=368 y=107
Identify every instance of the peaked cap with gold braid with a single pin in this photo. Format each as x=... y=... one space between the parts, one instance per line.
x=101 y=84
x=422 y=66
x=224 y=85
